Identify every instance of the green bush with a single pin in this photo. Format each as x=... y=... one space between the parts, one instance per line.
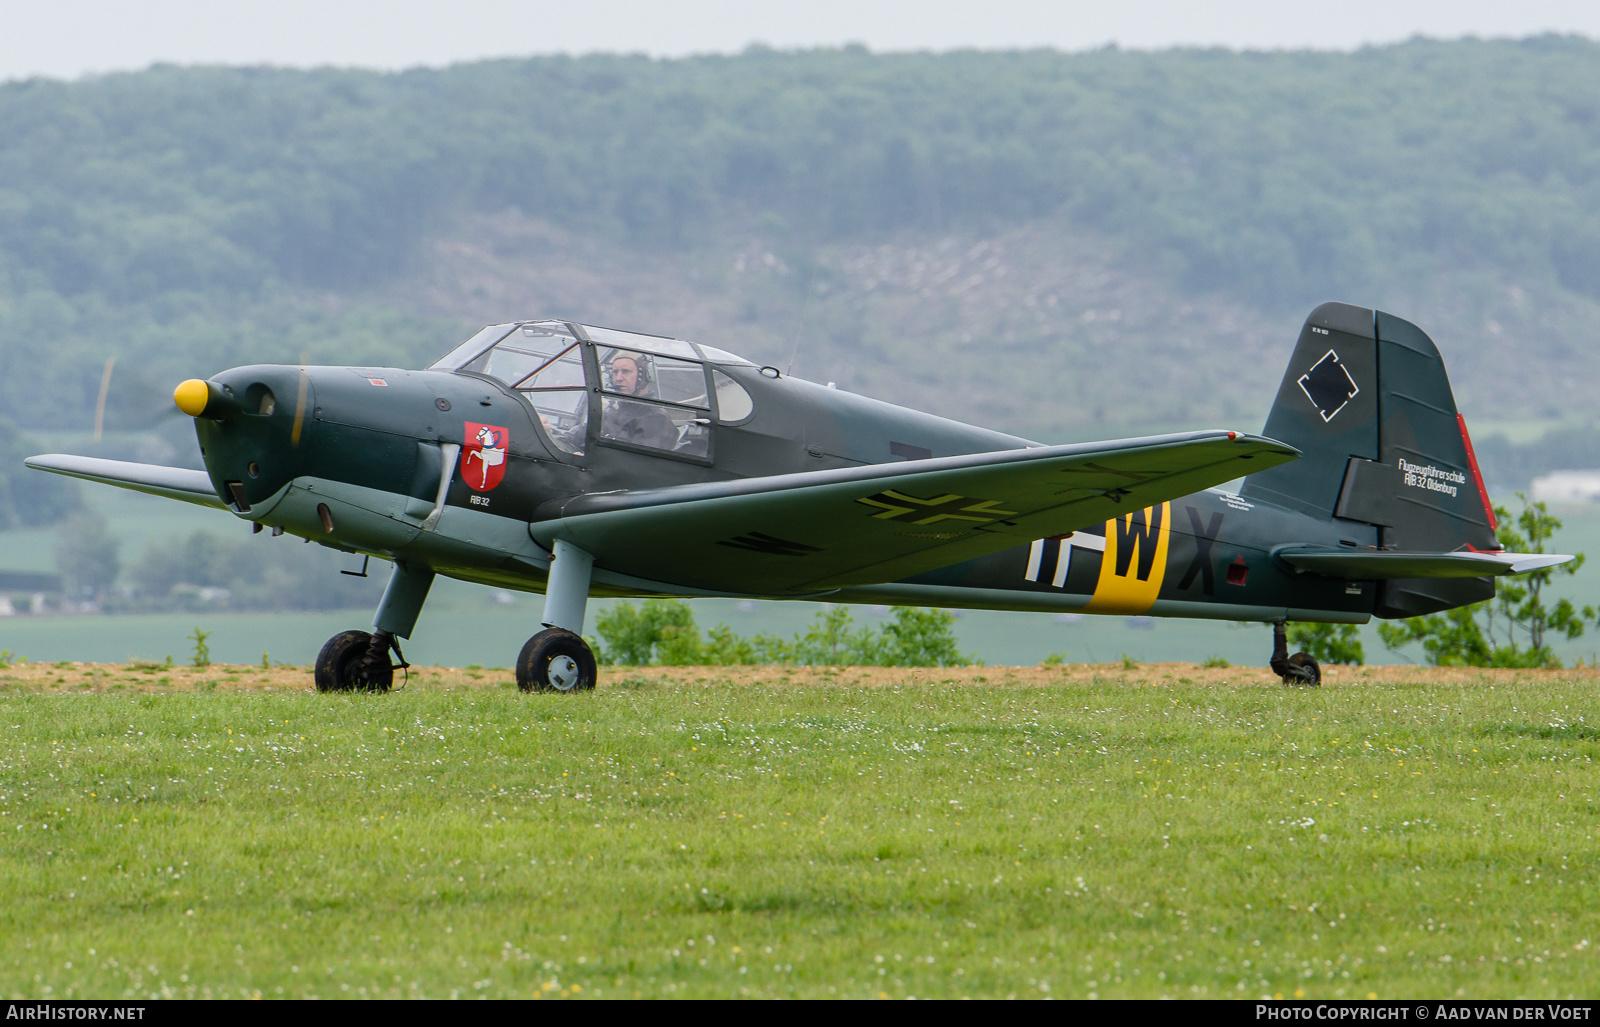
x=832 y=642
x=202 y=651
x=921 y=638
x=634 y=634
x=663 y=632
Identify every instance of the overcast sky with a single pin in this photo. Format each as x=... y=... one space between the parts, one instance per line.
x=68 y=38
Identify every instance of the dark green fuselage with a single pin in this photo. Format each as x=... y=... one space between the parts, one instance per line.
x=361 y=450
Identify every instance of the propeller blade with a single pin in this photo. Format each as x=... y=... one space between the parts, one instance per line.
x=300 y=403
x=100 y=404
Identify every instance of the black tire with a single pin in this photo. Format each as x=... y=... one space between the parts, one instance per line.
x=556 y=660
x=341 y=666
x=1305 y=671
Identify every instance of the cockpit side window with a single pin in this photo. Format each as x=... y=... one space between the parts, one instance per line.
x=526 y=351
x=645 y=375
x=471 y=349
x=654 y=401
x=733 y=401
x=564 y=414
x=544 y=362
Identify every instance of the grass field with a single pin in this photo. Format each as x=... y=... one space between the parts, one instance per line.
x=1078 y=831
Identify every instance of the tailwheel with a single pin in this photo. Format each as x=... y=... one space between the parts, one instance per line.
x=1303 y=670
x=1299 y=669
x=556 y=660
x=346 y=663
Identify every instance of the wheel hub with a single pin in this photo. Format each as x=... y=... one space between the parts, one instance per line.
x=564 y=673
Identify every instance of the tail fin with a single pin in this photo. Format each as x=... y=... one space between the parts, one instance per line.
x=1367 y=401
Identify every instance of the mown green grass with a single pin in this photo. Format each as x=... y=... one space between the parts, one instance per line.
x=1112 y=837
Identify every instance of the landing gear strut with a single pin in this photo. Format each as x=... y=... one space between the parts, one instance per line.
x=1299 y=669
x=557 y=659
x=358 y=661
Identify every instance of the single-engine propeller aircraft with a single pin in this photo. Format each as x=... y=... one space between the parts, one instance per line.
x=577 y=460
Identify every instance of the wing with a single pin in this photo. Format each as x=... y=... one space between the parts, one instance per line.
x=820 y=530
x=170 y=482
x=1378 y=565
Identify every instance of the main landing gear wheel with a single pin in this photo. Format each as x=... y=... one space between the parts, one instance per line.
x=556 y=660
x=1299 y=669
x=345 y=664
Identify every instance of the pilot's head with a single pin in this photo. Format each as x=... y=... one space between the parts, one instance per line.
x=625 y=376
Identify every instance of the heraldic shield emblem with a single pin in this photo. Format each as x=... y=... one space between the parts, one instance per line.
x=483 y=458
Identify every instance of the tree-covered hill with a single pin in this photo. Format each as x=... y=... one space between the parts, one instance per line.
x=1284 y=175
x=184 y=219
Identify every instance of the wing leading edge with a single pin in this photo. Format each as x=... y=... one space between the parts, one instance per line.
x=819 y=530
x=171 y=482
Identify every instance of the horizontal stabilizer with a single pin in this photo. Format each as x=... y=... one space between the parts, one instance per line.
x=817 y=530
x=1379 y=565
x=169 y=482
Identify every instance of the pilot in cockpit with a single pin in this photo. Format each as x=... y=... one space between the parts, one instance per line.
x=625 y=378
x=643 y=424
x=625 y=420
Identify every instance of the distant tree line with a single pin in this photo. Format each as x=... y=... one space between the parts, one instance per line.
x=186 y=215
x=206 y=571
x=30 y=499
x=1289 y=174
x=1511 y=465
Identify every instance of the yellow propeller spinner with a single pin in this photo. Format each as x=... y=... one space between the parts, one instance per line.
x=192 y=396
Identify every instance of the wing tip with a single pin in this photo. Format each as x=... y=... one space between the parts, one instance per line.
x=1252 y=439
x=1538 y=561
x=180 y=483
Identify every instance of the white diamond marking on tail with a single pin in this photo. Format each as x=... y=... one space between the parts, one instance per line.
x=1328 y=386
